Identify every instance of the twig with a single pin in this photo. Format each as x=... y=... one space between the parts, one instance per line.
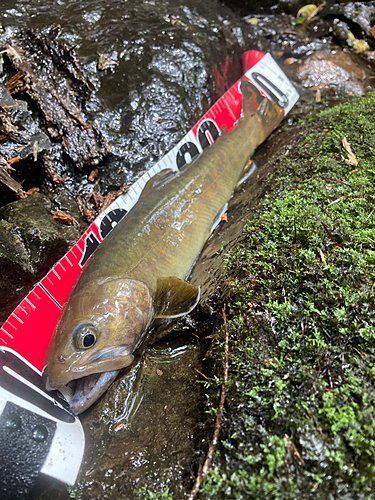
x=322 y=257
x=213 y=444
x=325 y=211
x=202 y=374
x=335 y=180
x=329 y=234
x=313 y=14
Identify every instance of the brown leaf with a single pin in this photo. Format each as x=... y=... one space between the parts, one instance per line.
x=93 y=175
x=372 y=31
x=352 y=160
x=290 y=60
x=11 y=161
x=63 y=217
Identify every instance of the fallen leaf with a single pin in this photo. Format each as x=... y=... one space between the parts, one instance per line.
x=307 y=12
x=372 y=31
x=93 y=175
x=290 y=60
x=63 y=217
x=224 y=217
x=358 y=45
x=352 y=160
x=159 y=372
x=105 y=61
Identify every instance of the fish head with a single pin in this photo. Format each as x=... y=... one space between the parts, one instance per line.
x=102 y=324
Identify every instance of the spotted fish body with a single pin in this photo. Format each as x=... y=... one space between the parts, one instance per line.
x=166 y=230
x=137 y=273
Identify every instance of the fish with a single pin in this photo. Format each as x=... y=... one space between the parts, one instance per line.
x=138 y=273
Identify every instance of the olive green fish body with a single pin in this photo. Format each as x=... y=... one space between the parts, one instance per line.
x=167 y=228
x=136 y=274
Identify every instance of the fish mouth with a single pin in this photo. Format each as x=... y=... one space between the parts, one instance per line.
x=89 y=389
x=81 y=393
x=83 y=385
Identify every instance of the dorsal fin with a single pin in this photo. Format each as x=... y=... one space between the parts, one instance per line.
x=158 y=179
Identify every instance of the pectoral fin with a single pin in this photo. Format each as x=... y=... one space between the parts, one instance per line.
x=174 y=298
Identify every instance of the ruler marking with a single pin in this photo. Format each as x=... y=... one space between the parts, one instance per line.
x=62 y=267
x=72 y=250
x=9 y=323
x=37 y=296
x=31 y=304
x=68 y=261
x=229 y=109
x=54 y=272
x=23 y=310
x=3 y=329
x=49 y=278
x=20 y=320
x=50 y=296
x=3 y=341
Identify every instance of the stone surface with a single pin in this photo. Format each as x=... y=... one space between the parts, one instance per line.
x=31 y=241
x=335 y=70
x=143 y=431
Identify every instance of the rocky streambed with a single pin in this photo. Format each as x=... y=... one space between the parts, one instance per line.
x=293 y=262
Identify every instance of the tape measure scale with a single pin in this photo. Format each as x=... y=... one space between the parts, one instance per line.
x=29 y=328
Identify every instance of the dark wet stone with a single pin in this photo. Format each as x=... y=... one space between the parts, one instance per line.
x=143 y=431
x=357 y=14
x=170 y=63
x=60 y=90
x=31 y=241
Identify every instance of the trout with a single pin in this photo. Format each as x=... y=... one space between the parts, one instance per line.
x=138 y=273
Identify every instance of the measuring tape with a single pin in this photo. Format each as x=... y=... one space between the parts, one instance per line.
x=29 y=328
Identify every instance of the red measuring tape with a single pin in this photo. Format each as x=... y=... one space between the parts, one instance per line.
x=29 y=328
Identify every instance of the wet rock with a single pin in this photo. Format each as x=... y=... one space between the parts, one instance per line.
x=335 y=71
x=21 y=141
x=358 y=14
x=31 y=241
x=143 y=430
x=61 y=91
x=170 y=63
x=266 y=6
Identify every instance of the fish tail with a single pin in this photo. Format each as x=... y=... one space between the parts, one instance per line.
x=267 y=112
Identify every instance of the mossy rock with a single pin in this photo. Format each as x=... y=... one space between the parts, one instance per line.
x=300 y=411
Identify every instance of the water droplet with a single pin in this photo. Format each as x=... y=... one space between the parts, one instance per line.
x=40 y=433
x=13 y=422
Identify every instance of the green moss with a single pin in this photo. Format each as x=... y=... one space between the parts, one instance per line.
x=300 y=409
x=145 y=494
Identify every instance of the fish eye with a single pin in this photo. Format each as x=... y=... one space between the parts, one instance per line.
x=85 y=336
